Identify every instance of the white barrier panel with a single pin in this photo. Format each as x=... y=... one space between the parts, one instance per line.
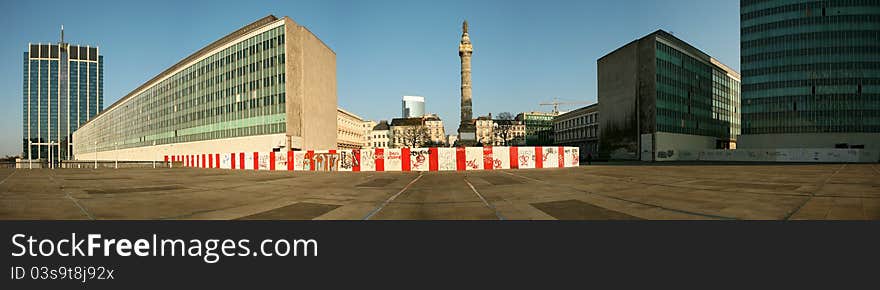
x=473 y=158
x=526 y=156
x=300 y=162
x=226 y=161
x=280 y=160
x=347 y=161
x=420 y=159
x=501 y=157
x=572 y=156
x=263 y=161
x=446 y=159
x=550 y=157
x=368 y=160
x=249 y=161
x=393 y=159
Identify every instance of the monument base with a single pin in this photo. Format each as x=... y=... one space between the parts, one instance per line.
x=467 y=135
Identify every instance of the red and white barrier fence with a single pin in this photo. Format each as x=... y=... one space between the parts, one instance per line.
x=390 y=159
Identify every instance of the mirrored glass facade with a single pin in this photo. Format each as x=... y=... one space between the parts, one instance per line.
x=810 y=66
x=694 y=96
x=62 y=89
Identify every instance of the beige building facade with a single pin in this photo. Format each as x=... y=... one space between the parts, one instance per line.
x=270 y=85
x=500 y=132
x=579 y=128
x=350 y=132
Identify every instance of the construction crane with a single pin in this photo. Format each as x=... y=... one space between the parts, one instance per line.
x=555 y=103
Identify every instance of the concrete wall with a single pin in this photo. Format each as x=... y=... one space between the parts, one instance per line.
x=673 y=146
x=808 y=140
x=157 y=153
x=617 y=84
x=822 y=155
x=385 y=159
x=311 y=89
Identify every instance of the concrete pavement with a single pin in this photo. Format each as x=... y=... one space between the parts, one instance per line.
x=602 y=192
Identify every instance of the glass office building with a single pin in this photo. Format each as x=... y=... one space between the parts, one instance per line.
x=412 y=107
x=270 y=85
x=63 y=87
x=539 y=128
x=811 y=73
x=662 y=98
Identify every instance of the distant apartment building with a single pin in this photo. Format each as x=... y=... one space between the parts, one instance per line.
x=63 y=87
x=412 y=107
x=367 y=127
x=349 y=130
x=661 y=98
x=579 y=128
x=270 y=85
x=436 y=131
x=417 y=132
x=538 y=127
x=810 y=74
x=380 y=136
x=494 y=132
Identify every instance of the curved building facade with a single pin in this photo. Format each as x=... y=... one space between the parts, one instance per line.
x=810 y=74
x=270 y=85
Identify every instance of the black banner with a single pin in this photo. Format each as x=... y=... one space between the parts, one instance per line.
x=412 y=254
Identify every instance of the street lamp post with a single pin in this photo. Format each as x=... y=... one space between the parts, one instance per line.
x=96 y=155
x=30 y=160
x=116 y=159
x=155 y=154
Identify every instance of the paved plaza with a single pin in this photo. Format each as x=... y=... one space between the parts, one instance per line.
x=622 y=191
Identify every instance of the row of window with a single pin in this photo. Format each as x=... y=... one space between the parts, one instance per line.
x=811 y=39
x=818 y=67
x=788 y=26
x=232 y=93
x=808 y=7
x=813 y=51
x=857 y=83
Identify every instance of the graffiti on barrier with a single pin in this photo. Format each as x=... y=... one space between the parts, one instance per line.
x=347 y=160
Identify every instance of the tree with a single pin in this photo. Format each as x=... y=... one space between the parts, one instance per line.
x=504 y=128
x=414 y=136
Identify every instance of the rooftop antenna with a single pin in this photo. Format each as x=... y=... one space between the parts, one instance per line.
x=62 y=33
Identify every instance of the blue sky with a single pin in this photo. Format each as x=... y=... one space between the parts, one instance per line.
x=525 y=52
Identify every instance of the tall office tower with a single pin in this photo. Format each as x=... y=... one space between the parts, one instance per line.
x=811 y=74
x=63 y=87
x=412 y=107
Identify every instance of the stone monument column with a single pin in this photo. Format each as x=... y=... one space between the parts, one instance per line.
x=467 y=131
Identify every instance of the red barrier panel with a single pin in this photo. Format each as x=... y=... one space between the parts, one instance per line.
x=217 y=160
x=514 y=157
x=404 y=159
x=433 y=159
x=290 y=161
x=241 y=160
x=272 y=160
x=539 y=157
x=256 y=161
x=380 y=159
x=460 y=159
x=561 y=157
x=488 y=159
